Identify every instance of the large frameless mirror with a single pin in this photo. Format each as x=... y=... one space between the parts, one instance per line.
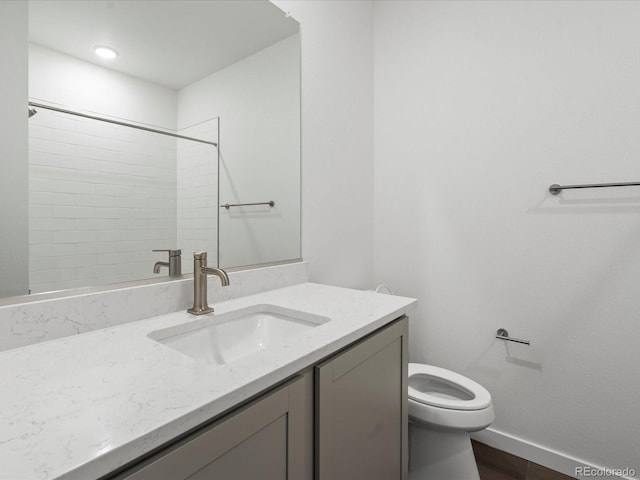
x=215 y=86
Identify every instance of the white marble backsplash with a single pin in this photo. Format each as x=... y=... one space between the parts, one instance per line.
x=40 y=321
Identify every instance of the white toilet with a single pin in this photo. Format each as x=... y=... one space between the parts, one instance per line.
x=444 y=407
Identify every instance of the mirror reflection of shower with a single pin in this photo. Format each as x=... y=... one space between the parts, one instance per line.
x=104 y=193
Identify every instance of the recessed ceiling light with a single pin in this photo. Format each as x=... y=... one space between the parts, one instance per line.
x=105 y=52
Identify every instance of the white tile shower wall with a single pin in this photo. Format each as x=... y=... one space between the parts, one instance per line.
x=26 y=324
x=101 y=197
x=197 y=184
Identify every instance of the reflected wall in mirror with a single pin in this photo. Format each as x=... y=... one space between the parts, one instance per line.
x=101 y=196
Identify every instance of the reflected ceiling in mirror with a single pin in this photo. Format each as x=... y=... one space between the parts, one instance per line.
x=168 y=43
x=95 y=219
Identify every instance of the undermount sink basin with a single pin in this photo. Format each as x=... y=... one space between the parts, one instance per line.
x=223 y=338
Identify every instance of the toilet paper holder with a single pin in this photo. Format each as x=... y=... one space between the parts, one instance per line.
x=502 y=334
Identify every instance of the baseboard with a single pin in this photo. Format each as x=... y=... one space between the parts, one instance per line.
x=558 y=461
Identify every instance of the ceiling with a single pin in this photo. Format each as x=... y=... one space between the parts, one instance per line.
x=168 y=42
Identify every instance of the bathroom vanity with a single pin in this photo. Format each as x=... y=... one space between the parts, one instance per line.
x=359 y=424
x=127 y=403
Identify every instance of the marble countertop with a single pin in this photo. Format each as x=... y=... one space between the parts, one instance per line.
x=79 y=407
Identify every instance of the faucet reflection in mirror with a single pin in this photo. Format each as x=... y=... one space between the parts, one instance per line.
x=200 y=272
x=174 y=264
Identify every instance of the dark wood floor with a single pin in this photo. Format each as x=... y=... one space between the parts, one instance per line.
x=498 y=465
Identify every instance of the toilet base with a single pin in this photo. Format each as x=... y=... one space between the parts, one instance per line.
x=440 y=454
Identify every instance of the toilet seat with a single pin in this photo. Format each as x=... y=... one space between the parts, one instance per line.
x=471 y=395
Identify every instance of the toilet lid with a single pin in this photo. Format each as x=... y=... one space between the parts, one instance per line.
x=445 y=389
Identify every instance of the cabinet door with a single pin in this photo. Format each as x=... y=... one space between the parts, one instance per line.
x=264 y=440
x=361 y=409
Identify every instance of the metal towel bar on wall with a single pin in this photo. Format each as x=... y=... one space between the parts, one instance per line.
x=271 y=203
x=555 y=189
x=502 y=334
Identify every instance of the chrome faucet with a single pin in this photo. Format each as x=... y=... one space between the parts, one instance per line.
x=200 y=272
x=174 y=264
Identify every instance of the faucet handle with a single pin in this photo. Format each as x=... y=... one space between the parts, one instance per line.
x=200 y=256
x=172 y=253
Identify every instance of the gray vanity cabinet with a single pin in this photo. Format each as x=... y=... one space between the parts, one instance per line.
x=361 y=409
x=268 y=439
x=343 y=419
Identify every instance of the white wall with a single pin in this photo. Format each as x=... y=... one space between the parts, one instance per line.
x=480 y=106
x=257 y=100
x=337 y=139
x=13 y=149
